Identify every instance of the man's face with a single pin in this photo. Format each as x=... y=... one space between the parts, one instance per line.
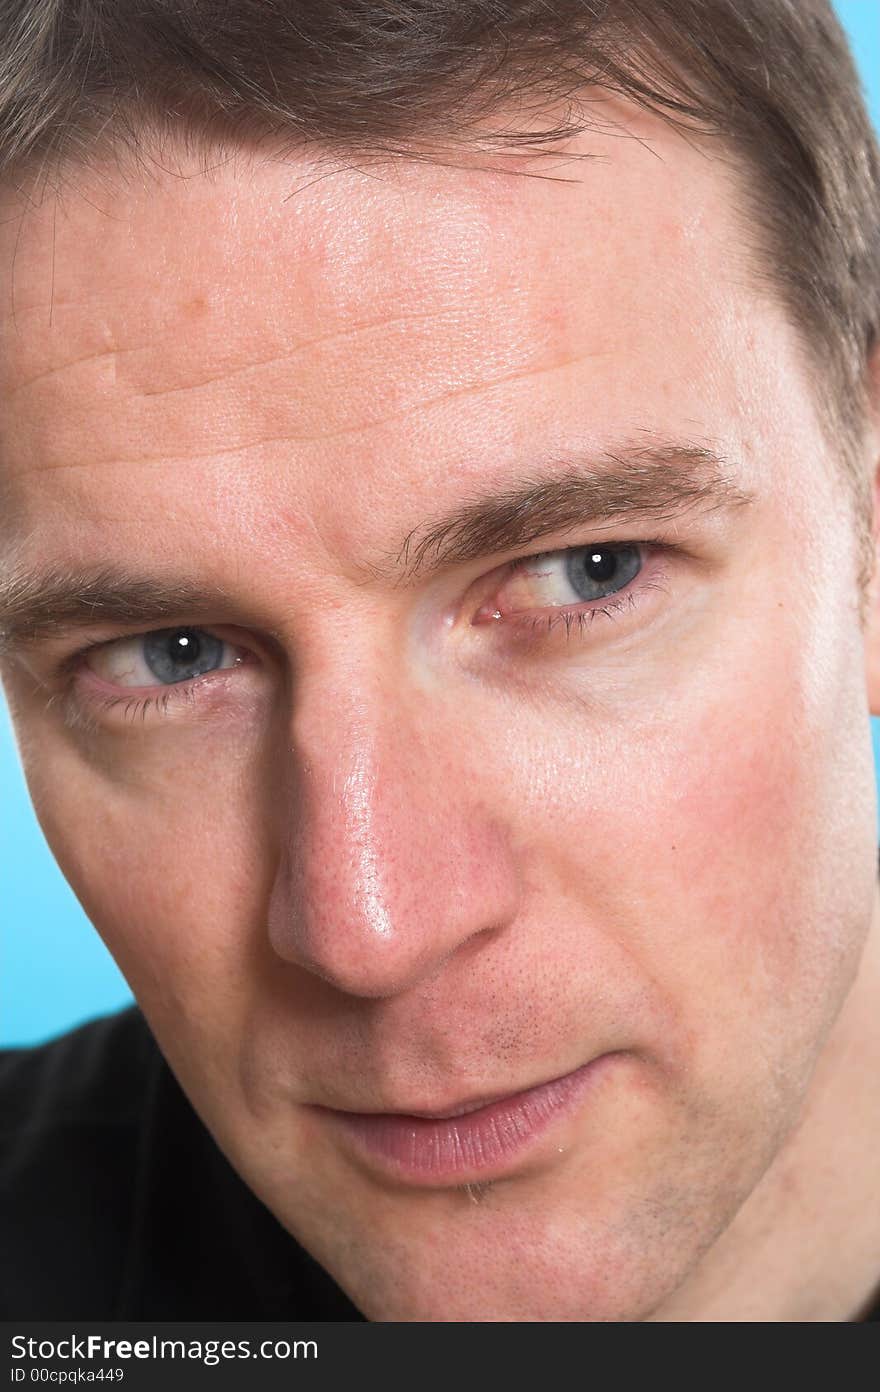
x=374 y=833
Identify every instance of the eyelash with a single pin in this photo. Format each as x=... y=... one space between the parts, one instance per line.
x=84 y=714
x=532 y=629
x=581 y=618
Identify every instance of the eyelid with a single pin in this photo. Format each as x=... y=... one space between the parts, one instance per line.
x=535 y=624
x=86 y=695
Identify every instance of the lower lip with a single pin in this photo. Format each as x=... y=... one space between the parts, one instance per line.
x=475 y=1145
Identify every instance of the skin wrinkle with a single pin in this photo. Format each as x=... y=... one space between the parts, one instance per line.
x=655 y=841
x=275 y=360
x=76 y=362
x=302 y=347
x=421 y=405
x=358 y=429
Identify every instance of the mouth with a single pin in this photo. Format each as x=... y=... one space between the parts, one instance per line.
x=474 y=1141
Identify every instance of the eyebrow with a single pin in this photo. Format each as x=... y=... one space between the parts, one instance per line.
x=35 y=605
x=658 y=482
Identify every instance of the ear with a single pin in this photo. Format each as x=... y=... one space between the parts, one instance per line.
x=872 y=623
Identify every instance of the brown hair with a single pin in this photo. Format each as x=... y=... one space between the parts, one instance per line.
x=773 y=79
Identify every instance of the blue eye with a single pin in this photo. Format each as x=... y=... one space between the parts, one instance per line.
x=594 y=572
x=163 y=663
x=165 y=657
x=178 y=654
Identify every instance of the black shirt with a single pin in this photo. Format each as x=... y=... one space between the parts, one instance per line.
x=116 y=1204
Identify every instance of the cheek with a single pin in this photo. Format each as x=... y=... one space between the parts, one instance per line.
x=719 y=834
x=170 y=861
x=772 y=802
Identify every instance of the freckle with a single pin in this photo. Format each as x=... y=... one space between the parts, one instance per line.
x=196 y=306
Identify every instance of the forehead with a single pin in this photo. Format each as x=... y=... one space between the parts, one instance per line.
x=356 y=338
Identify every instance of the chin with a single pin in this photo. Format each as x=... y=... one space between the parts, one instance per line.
x=516 y=1269
x=518 y=1250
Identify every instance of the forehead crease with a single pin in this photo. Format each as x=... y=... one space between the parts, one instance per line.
x=470 y=253
x=318 y=340
x=448 y=340
x=328 y=401
x=58 y=367
x=226 y=375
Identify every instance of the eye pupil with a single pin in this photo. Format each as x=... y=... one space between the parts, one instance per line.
x=601 y=565
x=185 y=647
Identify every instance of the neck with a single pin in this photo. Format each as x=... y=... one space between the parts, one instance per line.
x=805 y=1246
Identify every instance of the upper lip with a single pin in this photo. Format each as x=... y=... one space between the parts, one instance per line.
x=454 y=1109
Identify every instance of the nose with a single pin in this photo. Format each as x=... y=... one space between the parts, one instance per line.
x=392 y=855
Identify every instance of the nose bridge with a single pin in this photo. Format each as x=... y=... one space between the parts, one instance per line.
x=354 y=821
x=389 y=860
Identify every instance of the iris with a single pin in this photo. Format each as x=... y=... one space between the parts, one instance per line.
x=177 y=654
x=598 y=571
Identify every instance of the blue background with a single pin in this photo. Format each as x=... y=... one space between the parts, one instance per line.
x=54 y=969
